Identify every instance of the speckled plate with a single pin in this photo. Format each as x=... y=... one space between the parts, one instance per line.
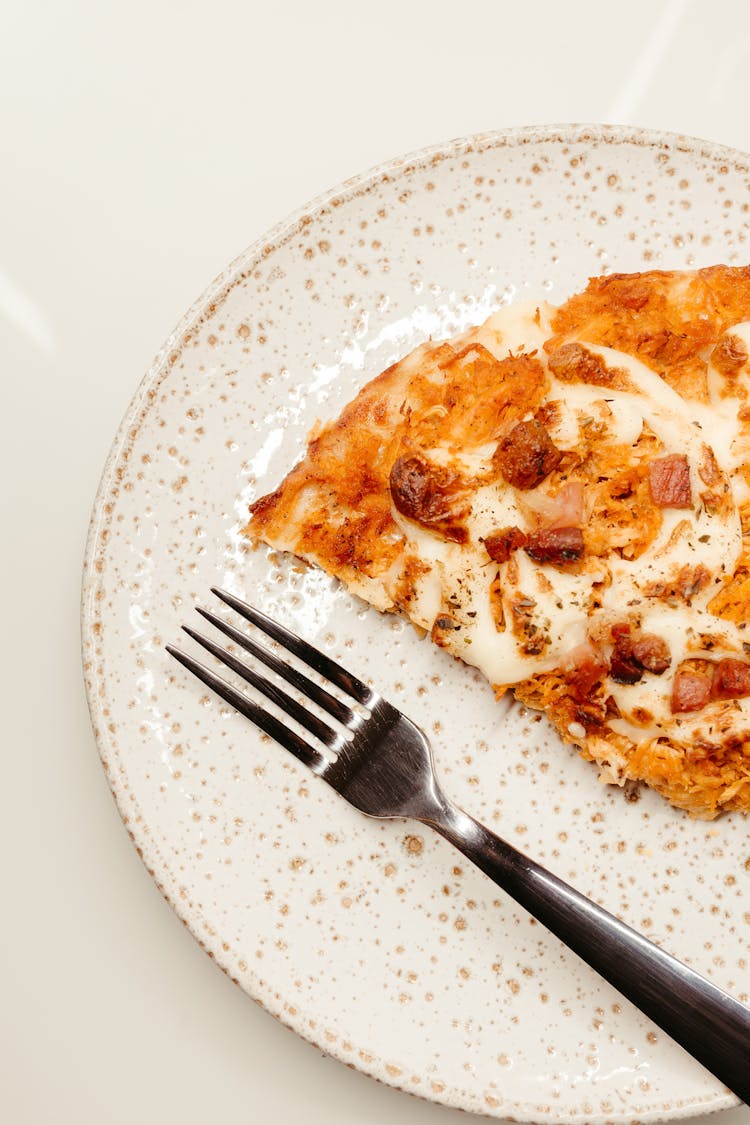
x=375 y=940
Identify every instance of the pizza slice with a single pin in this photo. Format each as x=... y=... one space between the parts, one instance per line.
x=561 y=498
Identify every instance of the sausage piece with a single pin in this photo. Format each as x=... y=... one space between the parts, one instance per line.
x=623 y=667
x=652 y=653
x=690 y=691
x=431 y=495
x=632 y=656
x=501 y=544
x=527 y=455
x=731 y=679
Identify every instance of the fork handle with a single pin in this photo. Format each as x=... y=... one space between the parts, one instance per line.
x=712 y=1026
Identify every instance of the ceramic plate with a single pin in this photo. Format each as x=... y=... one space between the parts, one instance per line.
x=374 y=940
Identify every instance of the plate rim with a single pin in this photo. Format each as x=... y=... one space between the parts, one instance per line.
x=208 y=301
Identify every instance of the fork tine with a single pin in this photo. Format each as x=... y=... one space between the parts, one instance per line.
x=317 y=660
x=292 y=676
x=294 y=709
x=267 y=723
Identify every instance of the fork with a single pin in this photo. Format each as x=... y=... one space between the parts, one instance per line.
x=381 y=764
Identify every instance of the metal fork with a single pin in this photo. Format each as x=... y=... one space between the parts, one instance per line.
x=381 y=763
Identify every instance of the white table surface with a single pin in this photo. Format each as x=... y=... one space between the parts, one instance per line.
x=144 y=145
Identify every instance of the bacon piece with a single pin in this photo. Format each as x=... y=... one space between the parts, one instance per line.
x=632 y=656
x=527 y=455
x=731 y=679
x=690 y=691
x=691 y=580
x=669 y=479
x=431 y=495
x=500 y=545
x=556 y=545
x=584 y=666
x=623 y=667
x=652 y=653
